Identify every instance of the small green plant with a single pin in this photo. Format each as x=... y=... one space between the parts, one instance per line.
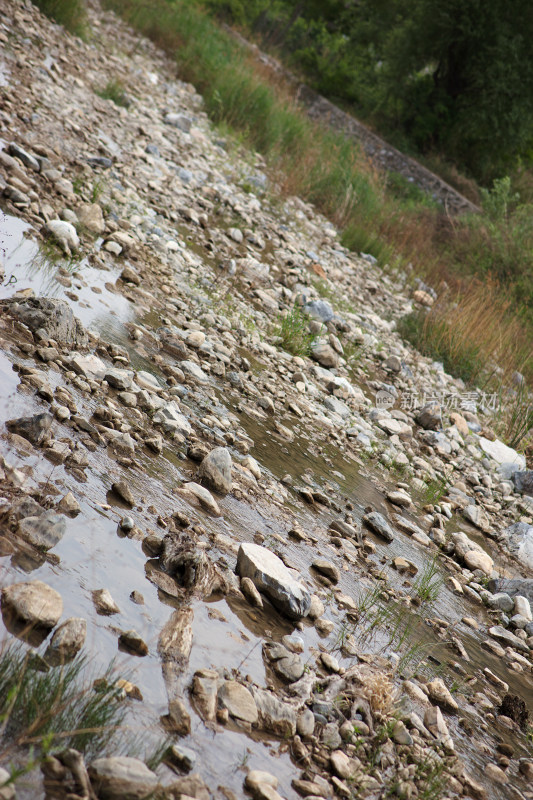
x=55 y=707
x=77 y=184
x=293 y=330
x=435 y=490
x=430 y=776
x=97 y=190
x=114 y=91
x=428 y=583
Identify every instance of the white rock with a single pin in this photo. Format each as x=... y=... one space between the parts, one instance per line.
x=271 y=576
x=204 y=496
x=501 y=453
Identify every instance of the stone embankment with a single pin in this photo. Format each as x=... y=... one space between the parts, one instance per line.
x=313 y=572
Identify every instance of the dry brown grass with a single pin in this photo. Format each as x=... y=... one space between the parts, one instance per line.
x=475 y=333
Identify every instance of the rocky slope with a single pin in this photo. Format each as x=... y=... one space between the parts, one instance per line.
x=315 y=570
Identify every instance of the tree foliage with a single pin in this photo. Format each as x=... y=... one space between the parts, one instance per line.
x=452 y=75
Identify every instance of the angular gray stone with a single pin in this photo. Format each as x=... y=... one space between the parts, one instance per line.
x=44 y=531
x=502 y=601
x=28 y=160
x=523 y=482
x=503 y=635
x=519 y=540
x=320 y=310
x=67 y=640
x=122 y=778
x=287 y=665
x=34 y=429
x=204 y=496
x=477 y=516
x=119 y=378
x=33 y=602
x=272 y=577
x=172 y=420
x=430 y=417
x=90 y=366
x=377 y=523
x=194 y=371
x=215 y=470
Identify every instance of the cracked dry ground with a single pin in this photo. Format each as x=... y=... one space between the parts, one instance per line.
x=309 y=592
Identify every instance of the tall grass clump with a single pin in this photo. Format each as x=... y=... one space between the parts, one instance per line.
x=293 y=332
x=471 y=332
x=56 y=707
x=515 y=418
x=72 y=14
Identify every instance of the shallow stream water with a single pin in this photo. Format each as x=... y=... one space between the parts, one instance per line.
x=94 y=553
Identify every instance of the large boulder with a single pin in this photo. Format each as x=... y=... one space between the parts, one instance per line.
x=34 y=429
x=122 y=778
x=271 y=576
x=44 y=531
x=503 y=454
x=33 y=602
x=513 y=586
x=54 y=317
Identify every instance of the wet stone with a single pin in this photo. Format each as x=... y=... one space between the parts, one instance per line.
x=272 y=577
x=275 y=716
x=238 y=700
x=131 y=642
x=122 y=489
x=122 y=778
x=34 y=429
x=67 y=640
x=104 y=603
x=215 y=470
x=33 y=602
x=250 y=592
x=44 y=531
x=378 y=524
x=327 y=568
x=289 y=666
x=439 y=694
x=182 y=757
x=204 y=690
